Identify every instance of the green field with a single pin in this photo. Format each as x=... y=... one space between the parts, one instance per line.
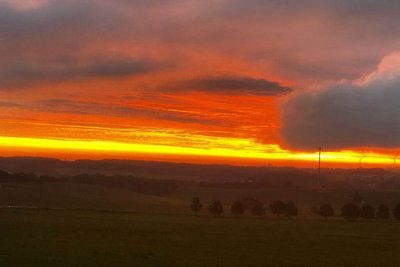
x=83 y=225
x=88 y=238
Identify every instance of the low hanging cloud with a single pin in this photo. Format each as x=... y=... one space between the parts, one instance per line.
x=22 y=5
x=232 y=85
x=42 y=30
x=363 y=113
x=20 y=73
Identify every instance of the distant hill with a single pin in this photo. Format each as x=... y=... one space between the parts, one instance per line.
x=154 y=169
x=208 y=173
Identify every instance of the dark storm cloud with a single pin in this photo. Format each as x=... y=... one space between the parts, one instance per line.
x=53 y=42
x=359 y=6
x=52 y=21
x=348 y=115
x=78 y=21
x=233 y=85
x=16 y=74
x=306 y=41
x=318 y=40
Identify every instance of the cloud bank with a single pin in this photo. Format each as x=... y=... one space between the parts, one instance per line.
x=363 y=113
x=232 y=85
x=247 y=38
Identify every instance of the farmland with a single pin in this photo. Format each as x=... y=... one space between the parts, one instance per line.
x=69 y=224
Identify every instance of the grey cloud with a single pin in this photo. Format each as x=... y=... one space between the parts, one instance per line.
x=77 y=22
x=347 y=115
x=54 y=43
x=79 y=107
x=22 y=73
x=282 y=33
x=366 y=6
x=316 y=40
x=232 y=85
x=356 y=6
x=119 y=67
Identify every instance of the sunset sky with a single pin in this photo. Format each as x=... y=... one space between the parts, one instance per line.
x=222 y=81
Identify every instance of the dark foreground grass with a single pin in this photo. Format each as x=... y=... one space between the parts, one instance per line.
x=89 y=238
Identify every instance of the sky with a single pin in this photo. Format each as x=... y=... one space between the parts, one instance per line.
x=222 y=81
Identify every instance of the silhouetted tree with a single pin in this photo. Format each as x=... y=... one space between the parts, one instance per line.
x=157 y=187
x=291 y=209
x=326 y=211
x=216 y=208
x=237 y=208
x=350 y=211
x=277 y=207
x=383 y=212
x=357 y=197
x=367 y=212
x=196 y=205
x=258 y=210
x=396 y=212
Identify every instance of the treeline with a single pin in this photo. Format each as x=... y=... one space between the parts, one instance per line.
x=148 y=186
x=268 y=176
x=349 y=211
x=256 y=208
x=156 y=187
x=24 y=177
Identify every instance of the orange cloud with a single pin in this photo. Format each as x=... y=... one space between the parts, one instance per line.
x=191 y=79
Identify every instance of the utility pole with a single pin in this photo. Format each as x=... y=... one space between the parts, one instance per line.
x=319 y=167
x=360 y=161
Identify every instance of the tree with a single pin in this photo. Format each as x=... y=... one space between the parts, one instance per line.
x=396 y=212
x=237 y=208
x=367 y=212
x=350 y=211
x=291 y=209
x=216 y=208
x=196 y=205
x=356 y=197
x=326 y=211
x=277 y=207
x=258 y=210
x=383 y=212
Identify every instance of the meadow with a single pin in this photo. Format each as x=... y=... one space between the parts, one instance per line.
x=91 y=238
x=67 y=224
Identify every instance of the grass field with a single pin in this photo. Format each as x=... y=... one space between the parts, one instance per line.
x=84 y=225
x=89 y=238
x=75 y=196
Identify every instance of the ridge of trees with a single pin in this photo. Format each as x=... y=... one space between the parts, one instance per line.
x=349 y=211
x=148 y=186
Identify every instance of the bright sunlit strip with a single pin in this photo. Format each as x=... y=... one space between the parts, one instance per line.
x=233 y=148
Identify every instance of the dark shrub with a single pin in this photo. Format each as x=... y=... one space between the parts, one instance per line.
x=326 y=211
x=367 y=212
x=396 y=212
x=350 y=211
x=383 y=212
x=196 y=205
x=277 y=207
x=216 y=208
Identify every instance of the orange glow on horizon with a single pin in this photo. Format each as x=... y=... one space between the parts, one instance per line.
x=198 y=81
x=240 y=151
